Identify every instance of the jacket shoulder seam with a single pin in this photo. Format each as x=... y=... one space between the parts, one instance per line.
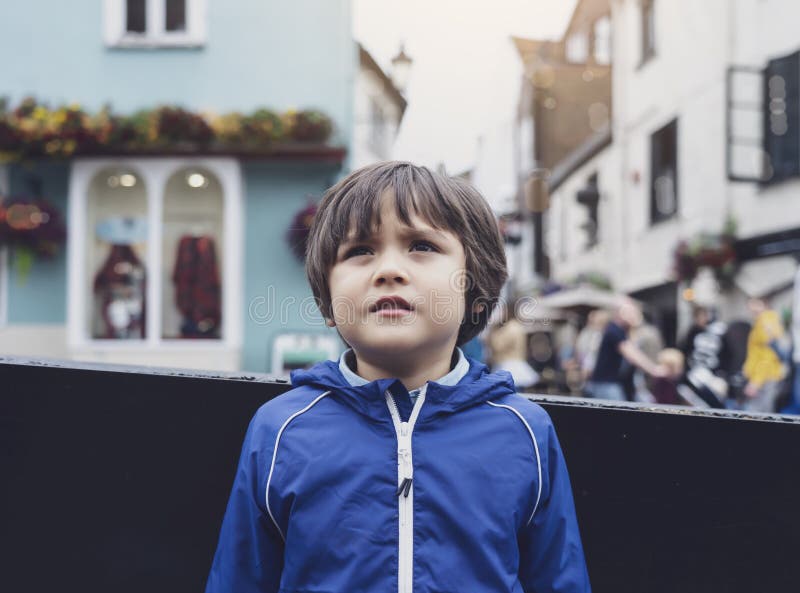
x=275 y=455
x=527 y=425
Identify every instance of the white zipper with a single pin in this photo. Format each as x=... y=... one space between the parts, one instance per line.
x=405 y=490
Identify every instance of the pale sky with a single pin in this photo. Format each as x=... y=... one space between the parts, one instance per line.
x=466 y=72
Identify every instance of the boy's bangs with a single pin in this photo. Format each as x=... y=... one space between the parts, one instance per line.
x=413 y=195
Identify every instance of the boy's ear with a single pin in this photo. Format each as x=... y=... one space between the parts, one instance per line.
x=478 y=307
x=330 y=322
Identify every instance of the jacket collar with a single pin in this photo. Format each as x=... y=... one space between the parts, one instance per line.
x=451 y=378
x=476 y=386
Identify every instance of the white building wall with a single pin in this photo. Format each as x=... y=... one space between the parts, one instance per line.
x=684 y=80
x=696 y=42
x=369 y=88
x=567 y=239
x=765 y=29
x=494 y=174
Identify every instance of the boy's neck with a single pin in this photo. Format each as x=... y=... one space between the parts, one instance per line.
x=411 y=375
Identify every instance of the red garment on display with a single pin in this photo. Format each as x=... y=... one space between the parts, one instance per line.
x=198 y=294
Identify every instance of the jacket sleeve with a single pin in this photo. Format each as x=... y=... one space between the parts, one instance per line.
x=249 y=556
x=551 y=553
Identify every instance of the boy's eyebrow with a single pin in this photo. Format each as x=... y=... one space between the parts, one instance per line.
x=427 y=233
x=409 y=232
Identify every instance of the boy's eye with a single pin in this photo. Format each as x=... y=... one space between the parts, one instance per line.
x=357 y=250
x=424 y=245
x=419 y=245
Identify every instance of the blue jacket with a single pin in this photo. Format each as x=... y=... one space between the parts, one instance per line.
x=344 y=489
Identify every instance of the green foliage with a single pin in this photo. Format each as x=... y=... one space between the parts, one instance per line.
x=34 y=130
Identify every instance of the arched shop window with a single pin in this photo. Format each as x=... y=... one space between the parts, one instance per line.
x=154 y=253
x=116 y=255
x=192 y=248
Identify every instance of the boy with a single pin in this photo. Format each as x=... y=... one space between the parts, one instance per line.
x=404 y=466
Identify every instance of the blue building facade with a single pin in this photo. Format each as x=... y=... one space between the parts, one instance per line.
x=152 y=215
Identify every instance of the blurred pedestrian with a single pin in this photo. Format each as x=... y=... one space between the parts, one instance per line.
x=706 y=379
x=665 y=389
x=588 y=342
x=701 y=317
x=796 y=342
x=762 y=368
x=508 y=342
x=616 y=346
x=638 y=386
x=474 y=349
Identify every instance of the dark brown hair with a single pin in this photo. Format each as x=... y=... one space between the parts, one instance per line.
x=445 y=203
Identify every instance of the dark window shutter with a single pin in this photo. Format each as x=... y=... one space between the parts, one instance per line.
x=782 y=116
x=176 y=15
x=136 y=16
x=664 y=173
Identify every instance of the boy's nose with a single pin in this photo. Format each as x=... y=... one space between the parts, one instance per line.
x=389 y=270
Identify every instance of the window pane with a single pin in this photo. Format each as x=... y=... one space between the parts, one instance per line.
x=782 y=116
x=577 y=48
x=602 y=41
x=116 y=251
x=176 y=15
x=664 y=164
x=193 y=254
x=136 y=16
x=377 y=137
x=648 y=29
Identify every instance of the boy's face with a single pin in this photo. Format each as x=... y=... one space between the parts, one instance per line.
x=419 y=264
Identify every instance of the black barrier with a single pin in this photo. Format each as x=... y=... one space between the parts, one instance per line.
x=677 y=500
x=115 y=480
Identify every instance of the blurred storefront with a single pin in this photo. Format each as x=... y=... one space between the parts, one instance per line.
x=184 y=166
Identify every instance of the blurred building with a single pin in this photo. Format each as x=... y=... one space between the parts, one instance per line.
x=379 y=110
x=704 y=136
x=493 y=173
x=177 y=256
x=565 y=104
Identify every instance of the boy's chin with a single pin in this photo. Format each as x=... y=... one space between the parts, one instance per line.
x=392 y=345
x=389 y=347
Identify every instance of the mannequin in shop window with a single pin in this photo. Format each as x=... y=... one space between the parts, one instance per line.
x=120 y=282
x=119 y=288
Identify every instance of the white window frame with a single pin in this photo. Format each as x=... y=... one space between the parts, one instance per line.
x=156 y=35
x=155 y=172
x=4 y=190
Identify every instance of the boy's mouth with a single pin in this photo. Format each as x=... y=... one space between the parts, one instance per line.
x=390 y=303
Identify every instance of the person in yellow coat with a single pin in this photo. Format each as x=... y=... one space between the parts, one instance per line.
x=762 y=367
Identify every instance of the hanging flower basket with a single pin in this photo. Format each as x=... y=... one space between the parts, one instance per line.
x=710 y=250
x=299 y=230
x=31 y=228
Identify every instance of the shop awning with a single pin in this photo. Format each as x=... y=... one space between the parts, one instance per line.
x=762 y=277
x=582 y=297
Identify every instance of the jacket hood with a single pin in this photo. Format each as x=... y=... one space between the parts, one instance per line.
x=476 y=386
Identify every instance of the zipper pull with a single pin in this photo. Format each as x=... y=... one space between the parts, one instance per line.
x=404 y=429
x=401 y=487
x=404 y=487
